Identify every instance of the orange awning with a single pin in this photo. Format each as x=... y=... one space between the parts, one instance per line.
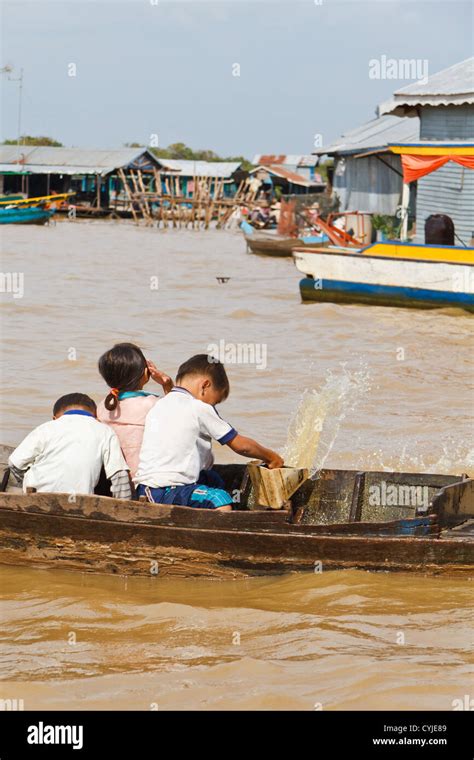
x=415 y=167
x=423 y=158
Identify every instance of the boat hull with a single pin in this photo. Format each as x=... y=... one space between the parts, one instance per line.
x=266 y=246
x=25 y=216
x=71 y=543
x=356 y=277
x=377 y=295
x=271 y=245
x=266 y=243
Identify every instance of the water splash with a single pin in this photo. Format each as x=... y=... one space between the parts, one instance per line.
x=447 y=457
x=318 y=417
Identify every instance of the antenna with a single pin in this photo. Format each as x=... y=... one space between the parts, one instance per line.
x=8 y=70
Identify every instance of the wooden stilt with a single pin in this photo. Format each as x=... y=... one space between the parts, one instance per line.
x=146 y=208
x=128 y=193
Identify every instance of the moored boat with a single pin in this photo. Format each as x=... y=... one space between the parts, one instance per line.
x=18 y=215
x=38 y=210
x=389 y=274
x=340 y=519
x=270 y=243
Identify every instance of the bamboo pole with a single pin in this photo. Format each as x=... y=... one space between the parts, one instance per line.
x=195 y=201
x=158 y=191
x=198 y=219
x=136 y=193
x=210 y=206
x=129 y=195
x=146 y=207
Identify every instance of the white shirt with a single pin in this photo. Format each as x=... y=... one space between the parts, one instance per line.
x=66 y=455
x=177 y=441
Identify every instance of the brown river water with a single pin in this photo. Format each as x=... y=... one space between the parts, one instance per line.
x=343 y=386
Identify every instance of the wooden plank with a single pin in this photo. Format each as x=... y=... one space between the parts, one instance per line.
x=273 y=488
x=356 y=504
x=128 y=193
x=108 y=510
x=146 y=208
x=462 y=531
x=455 y=503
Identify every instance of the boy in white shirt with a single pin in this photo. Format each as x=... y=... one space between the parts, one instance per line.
x=176 y=454
x=66 y=454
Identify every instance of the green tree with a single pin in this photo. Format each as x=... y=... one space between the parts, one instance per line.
x=183 y=152
x=30 y=140
x=323 y=167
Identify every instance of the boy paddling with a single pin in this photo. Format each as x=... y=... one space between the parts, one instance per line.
x=176 y=455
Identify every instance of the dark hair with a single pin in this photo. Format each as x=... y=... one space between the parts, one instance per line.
x=439 y=230
x=122 y=369
x=203 y=364
x=74 y=399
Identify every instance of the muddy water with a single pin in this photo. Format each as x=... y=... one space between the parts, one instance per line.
x=375 y=388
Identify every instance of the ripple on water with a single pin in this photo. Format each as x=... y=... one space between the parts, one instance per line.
x=275 y=643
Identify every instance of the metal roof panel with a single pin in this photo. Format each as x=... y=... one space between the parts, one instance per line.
x=451 y=86
x=376 y=134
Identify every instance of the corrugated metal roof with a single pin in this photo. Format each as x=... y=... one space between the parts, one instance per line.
x=295 y=179
x=451 y=86
x=436 y=144
x=52 y=169
x=310 y=160
x=287 y=159
x=48 y=160
x=220 y=169
x=376 y=134
x=12 y=169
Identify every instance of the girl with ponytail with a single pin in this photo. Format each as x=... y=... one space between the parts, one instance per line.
x=126 y=370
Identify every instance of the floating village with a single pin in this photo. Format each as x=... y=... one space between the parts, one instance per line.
x=391 y=222
x=382 y=216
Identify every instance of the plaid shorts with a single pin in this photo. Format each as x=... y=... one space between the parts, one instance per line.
x=192 y=495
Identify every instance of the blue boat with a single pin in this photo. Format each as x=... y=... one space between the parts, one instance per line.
x=16 y=215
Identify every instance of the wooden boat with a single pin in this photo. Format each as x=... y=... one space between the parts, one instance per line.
x=270 y=243
x=17 y=215
x=38 y=200
x=7 y=199
x=389 y=274
x=38 y=210
x=341 y=519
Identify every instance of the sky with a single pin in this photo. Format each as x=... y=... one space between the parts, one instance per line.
x=236 y=77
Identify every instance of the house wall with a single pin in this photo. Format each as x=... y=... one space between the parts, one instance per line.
x=367 y=184
x=450 y=189
x=447 y=122
x=304 y=171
